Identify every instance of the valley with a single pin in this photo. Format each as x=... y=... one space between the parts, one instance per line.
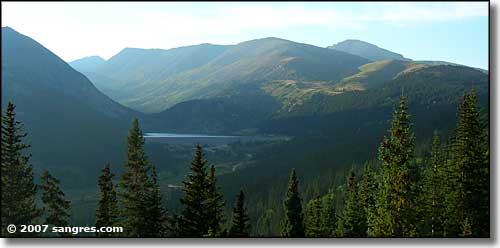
x=259 y=108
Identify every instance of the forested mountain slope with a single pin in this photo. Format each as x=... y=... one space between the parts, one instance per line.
x=69 y=121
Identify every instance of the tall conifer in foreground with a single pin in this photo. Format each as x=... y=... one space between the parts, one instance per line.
x=328 y=214
x=367 y=194
x=18 y=188
x=156 y=215
x=433 y=193
x=107 y=208
x=293 y=225
x=134 y=186
x=313 y=216
x=240 y=227
x=467 y=205
x=193 y=220
x=352 y=221
x=215 y=204
x=56 y=207
x=396 y=198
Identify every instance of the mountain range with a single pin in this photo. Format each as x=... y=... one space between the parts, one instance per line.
x=152 y=80
x=333 y=105
x=81 y=111
x=366 y=50
x=289 y=73
x=65 y=115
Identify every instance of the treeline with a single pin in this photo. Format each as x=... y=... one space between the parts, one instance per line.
x=444 y=195
x=134 y=203
x=19 y=192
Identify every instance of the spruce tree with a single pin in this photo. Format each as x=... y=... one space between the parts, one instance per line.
x=107 y=209
x=467 y=206
x=452 y=188
x=18 y=188
x=328 y=215
x=367 y=193
x=156 y=214
x=215 y=204
x=55 y=205
x=396 y=199
x=293 y=225
x=313 y=224
x=432 y=200
x=352 y=221
x=193 y=221
x=240 y=227
x=135 y=186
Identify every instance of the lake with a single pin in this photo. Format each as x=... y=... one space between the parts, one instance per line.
x=204 y=139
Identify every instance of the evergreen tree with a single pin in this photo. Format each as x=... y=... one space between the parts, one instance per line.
x=107 y=209
x=467 y=205
x=215 y=204
x=466 y=228
x=265 y=223
x=18 y=188
x=156 y=214
x=352 y=222
x=367 y=195
x=396 y=199
x=328 y=215
x=313 y=224
x=194 y=220
x=240 y=227
x=135 y=186
x=433 y=196
x=293 y=225
x=56 y=206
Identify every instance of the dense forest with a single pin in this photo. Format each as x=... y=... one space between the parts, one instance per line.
x=437 y=191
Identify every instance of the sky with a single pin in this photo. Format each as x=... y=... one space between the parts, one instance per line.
x=450 y=31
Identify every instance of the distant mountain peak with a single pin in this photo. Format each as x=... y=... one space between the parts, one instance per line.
x=87 y=64
x=272 y=38
x=93 y=57
x=8 y=28
x=366 y=50
x=38 y=69
x=266 y=40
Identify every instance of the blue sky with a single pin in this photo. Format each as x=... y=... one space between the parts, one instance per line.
x=450 y=31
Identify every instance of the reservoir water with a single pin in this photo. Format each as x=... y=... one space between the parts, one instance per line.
x=204 y=139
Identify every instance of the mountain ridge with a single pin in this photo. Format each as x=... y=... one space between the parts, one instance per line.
x=366 y=50
x=153 y=88
x=89 y=63
x=62 y=111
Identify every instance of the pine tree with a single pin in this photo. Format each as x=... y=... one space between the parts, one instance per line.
x=467 y=204
x=56 y=206
x=367 y=194
x=452 y=188
x=352 y=222
x=265 y=223
x=193 y=221
x=396 y=198
x=240 y=227
x=18 y=188
x=293 y=225
x=433 y=196
x=313 y=224
x=156 y=214
x=215 y=204
x=107 y=209
x=135 y=186
x=328 y=214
